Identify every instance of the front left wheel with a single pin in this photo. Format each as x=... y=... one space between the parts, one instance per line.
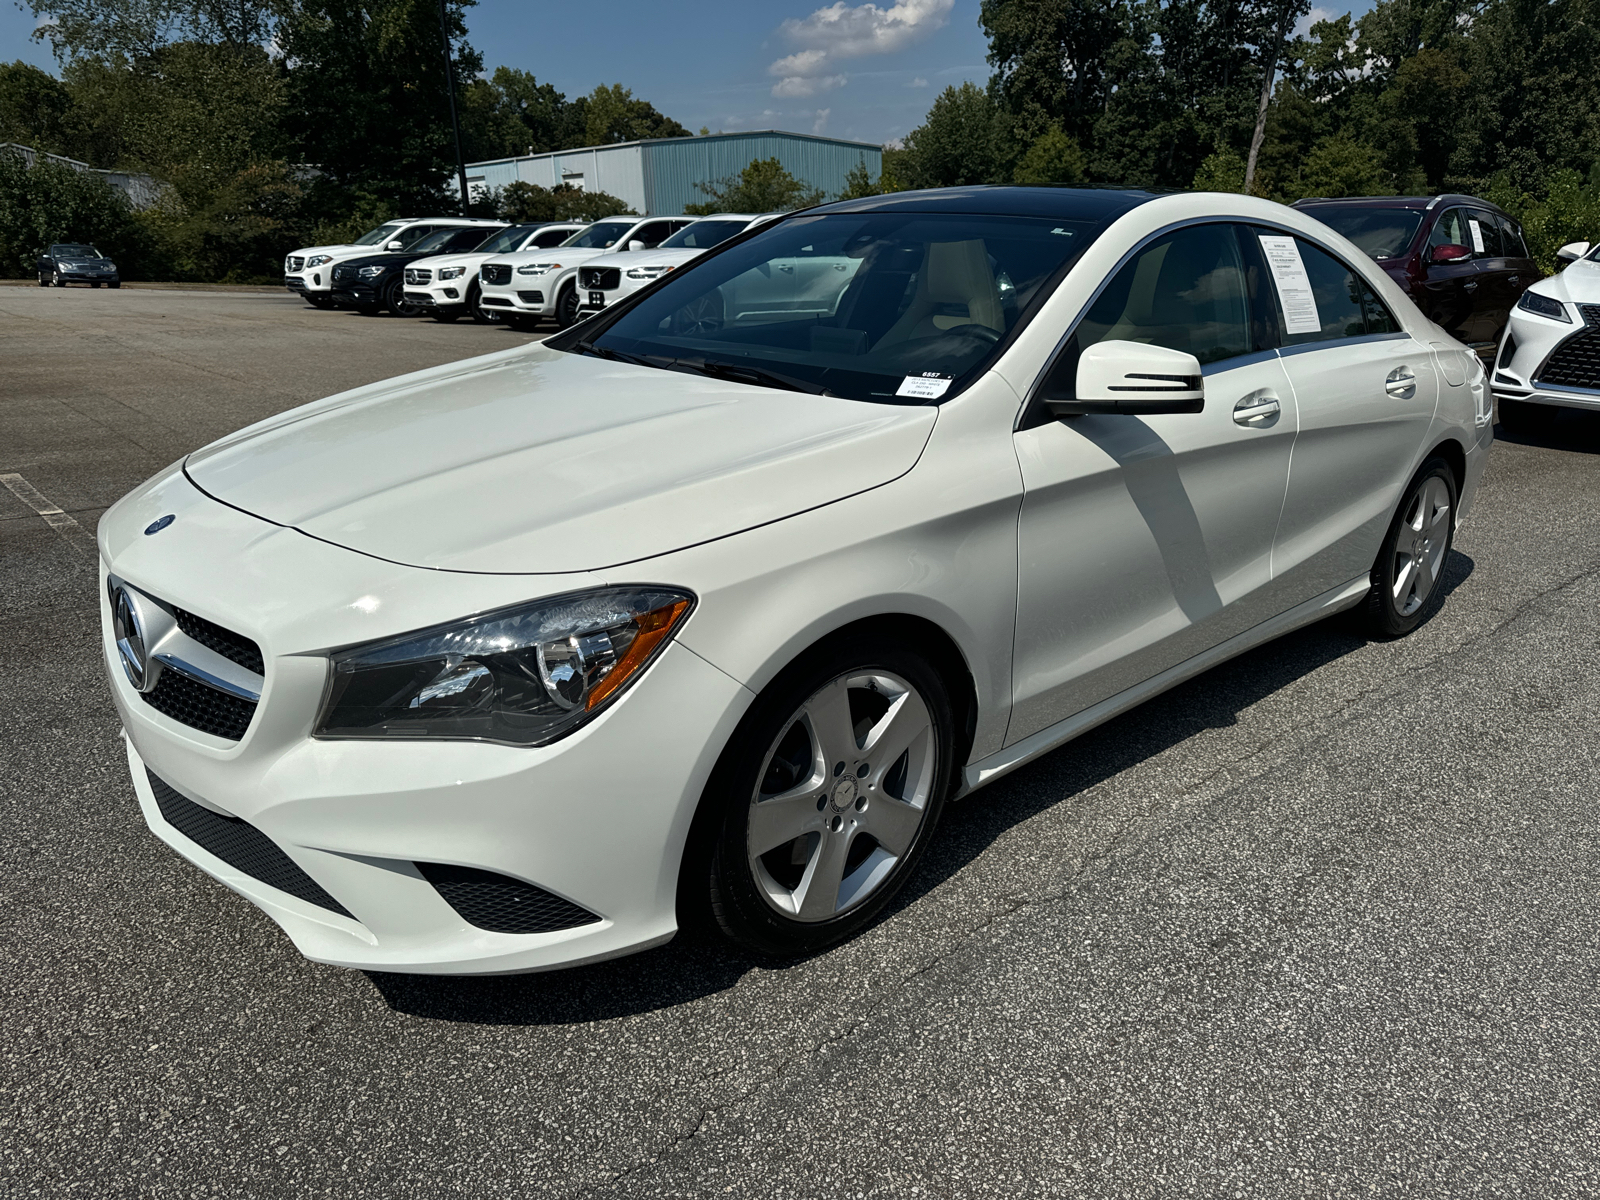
x=827 y=797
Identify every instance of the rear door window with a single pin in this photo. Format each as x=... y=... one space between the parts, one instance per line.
x=1341 y=304
x=1485 y=233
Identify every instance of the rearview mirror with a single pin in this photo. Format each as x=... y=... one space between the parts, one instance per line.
x=1572 y=251
x=1134 y=379
x=1444 y=254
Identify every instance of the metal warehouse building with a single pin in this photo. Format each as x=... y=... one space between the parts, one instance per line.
x=659 y=175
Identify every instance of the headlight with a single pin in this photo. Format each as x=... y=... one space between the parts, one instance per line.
x=523 y=676
x=371 y=272
x=316 y=260
x=538 y=268
x=1544 y=306
x=452 y=272
x=647 y=272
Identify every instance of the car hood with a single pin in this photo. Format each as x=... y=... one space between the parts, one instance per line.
x=567 y=256
x=469 y=258
x=538 y=461
x=1579 y=283
x=392 y=259
x=645 y=258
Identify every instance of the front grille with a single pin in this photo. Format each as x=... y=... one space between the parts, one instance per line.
x=297 y=262
x=603 y=278
x=1576 y=362
x=239 y=844
x=501 y=904
x=294 y=283
x=200 y=706
x=343 y=274
x=233 y=646
x=496 y=273
x=418 y=276
x=1591 y=313
x=531 y=297
x=423 y=298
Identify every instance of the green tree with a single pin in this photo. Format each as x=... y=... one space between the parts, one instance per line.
x=526 y=202
x=763 y=186
x=966 y=139
x=50 y=202
x=858 y=183
x=1222 y=171
x=612 y=114
x=33 y=107
x=1053 y=158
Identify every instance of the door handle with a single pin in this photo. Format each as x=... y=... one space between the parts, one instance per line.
x=1471 y=285
x=1401 y=383
x=1515 y=279
x=1257 y=409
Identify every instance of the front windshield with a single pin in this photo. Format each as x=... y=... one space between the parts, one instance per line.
x=74 y=250
x=506 y=240
x=600 y=235
x=702 y=235
x=1377 y=232
x=889 y=307
x=373 y=236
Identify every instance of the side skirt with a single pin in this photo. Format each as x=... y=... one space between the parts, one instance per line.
x=989 y=769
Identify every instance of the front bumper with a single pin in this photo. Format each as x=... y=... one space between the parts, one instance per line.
x=89 y=276
x=357 y=295
x=319 y=281
x=528 y=297
x=598 y=819
x=1528 y=351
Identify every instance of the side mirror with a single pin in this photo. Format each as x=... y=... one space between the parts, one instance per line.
x=1444 y=254
x=1133 y=379
x=394 y=245
x=636 y=244
x=1572 y=252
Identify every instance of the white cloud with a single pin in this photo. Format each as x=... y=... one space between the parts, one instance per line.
x=841 y=32
x=1302 y=27
x=918 y=82
x=799 y=85
x=821 y=122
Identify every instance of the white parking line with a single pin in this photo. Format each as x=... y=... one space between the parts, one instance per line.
x=75 y=535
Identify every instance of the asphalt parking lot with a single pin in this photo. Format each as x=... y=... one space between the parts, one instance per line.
x=1322 y=922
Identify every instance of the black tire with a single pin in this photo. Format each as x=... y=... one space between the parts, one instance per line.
x=1521 y=419
x=474 y=295
x=1405 y=578
x=44 y=280
x=567 y=306
x=394 y=299
x=737 y=883
x=55 y=279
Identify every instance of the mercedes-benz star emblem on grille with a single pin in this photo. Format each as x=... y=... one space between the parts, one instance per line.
x=159 y=524
x=128 y=625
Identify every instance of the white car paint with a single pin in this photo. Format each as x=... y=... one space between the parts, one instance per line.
x=308 y=271
x=635 y=272
x=1523 y=361
x=442 y=285
x=533 y=473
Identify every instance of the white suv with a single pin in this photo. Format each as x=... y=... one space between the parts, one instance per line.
x=308 y=271
x=541 y=283
x=607 y=279
x=446 y=286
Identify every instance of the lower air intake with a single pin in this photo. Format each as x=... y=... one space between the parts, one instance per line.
x=501 y=904
x=241 y=845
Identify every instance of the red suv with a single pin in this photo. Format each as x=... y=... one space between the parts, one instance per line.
x=1460 y=258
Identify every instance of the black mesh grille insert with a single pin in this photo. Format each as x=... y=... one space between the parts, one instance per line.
x=231 y=645
x=241 y=845
x=344 y=274
x=200 y=707
x=1591 y=313
x=497 y=273
x=501 y=904
x=1576 y=362
x=531 y=297
x=604 y=278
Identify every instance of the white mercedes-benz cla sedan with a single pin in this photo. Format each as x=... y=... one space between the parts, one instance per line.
x=713 y=601
x=1549 y=356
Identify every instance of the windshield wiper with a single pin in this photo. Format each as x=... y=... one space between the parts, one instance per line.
x=613 y=355
x=741 y=374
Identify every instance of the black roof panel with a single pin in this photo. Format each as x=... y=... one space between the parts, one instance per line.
x=1064 y=203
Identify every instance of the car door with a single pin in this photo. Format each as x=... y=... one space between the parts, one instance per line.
x=1365 y=391
x=1145 y=540
x=1518 y=270
x=1448 y=288
x=1492 y=299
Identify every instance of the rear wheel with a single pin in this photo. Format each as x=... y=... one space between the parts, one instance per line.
x=1406 y=576
x=827 y=796
x=1521 y=419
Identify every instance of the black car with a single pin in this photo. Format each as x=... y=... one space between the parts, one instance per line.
x=378 y=281
x=1460 y=258
x=76 y=262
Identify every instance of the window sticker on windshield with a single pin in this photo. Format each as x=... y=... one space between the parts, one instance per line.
x=1477 y=235
x=930 y=385
x=1294 y=285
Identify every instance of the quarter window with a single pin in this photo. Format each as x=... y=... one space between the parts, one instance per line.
x=1511 y=238
x=1346 y=306
x=1184 y=291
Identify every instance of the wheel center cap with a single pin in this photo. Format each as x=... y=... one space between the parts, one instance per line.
x=844 y=792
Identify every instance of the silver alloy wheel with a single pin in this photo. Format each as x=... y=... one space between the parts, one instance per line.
x=1419 y=546
x=850 y=776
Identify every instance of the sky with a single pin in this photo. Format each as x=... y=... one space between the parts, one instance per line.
x=862 y=71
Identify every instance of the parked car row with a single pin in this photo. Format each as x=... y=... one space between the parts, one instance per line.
x=451 y=267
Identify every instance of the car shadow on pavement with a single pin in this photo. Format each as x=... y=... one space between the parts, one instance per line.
x=699 y=963
x=1569 y=430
